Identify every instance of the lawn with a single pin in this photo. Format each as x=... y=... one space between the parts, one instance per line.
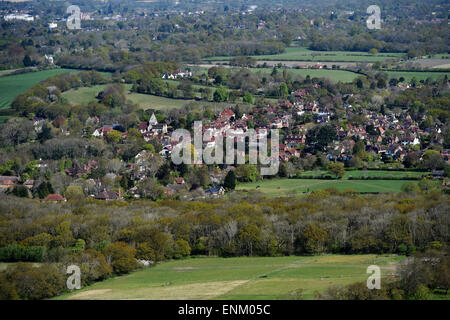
x=238 y=278
x=408 y=75
x=146 y=101
x=304 y=54
x=283 y=187
x=86 y=94
x=13 y=85
x=370 y=173
x=333 y=75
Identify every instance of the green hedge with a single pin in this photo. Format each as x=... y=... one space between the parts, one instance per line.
x=15 y=252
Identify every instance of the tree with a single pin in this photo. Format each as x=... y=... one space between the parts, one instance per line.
x=319 y=137
x=21 y=191
x=249 y=235
x=284 y=91
x=44 y=189
x=314 y=238
x=432 y=160
x=230 y=180
x=121 y=257
x=249 y=98
x=337 y=169
x=181 y=249
x=220 y=95
x=247 y=173
x=150 y=188
x=74 y=192
x=27 y=61
x=114 y=136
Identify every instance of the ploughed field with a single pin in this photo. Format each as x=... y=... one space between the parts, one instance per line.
x=238 y=278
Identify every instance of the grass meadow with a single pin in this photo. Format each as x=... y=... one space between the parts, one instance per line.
x=285 y=187
x=362 y=174
x=304 y=54
x=13 y=85
x=86 y=94
x=238 y=278
x=419 y=75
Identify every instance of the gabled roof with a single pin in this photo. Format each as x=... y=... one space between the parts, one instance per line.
x=54 y=197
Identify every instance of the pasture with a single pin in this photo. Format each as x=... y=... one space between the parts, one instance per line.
x=238 y=278
x=304 y=54
x=333 y=75
x=362 y=174
x=285 y=187
x=419 y=75
x=13 y=85
x=86 y=94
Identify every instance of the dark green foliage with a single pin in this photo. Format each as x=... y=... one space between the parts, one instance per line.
x=230 y=180
x=14 y=252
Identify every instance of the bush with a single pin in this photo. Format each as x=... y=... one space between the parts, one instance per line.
x=15 y=252
x=121 y=257
x=181 y=249
x=31 y=283
x=93 y=266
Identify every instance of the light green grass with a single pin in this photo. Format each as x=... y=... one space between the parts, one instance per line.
x=283 y=187
x=370 y=173
x=83 y=95
x=146 y=101
x=87 y=94
x=408 y=75
x=304 y=54
x=333 y=75
x=13 y=85
x=238 y=278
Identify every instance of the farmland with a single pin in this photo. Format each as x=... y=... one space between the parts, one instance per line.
x=285 y=187
x=333 y=75
x=419 y=75
x=11 y=86
x=304 y=54
x=145 y=101
x=362 y=174
x=238 y=278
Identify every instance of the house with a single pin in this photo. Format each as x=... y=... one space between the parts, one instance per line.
x=29 y=183
x=215 y=191
x=109 y=195
x=54 y=197
x=180 y=180
x=177 y=74
x=101 y=132
x=7 y=182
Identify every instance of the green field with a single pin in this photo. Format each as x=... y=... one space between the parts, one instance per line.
x=304 y=54
x=333 y=75
x=83 y=95
x=86 y=94
x=370 y=173
x=238 y=278
x=408 y=75
x=12 y=86
x=284 y=187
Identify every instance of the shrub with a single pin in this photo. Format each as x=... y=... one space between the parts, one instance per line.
x=121 y=257
x=181 y=249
